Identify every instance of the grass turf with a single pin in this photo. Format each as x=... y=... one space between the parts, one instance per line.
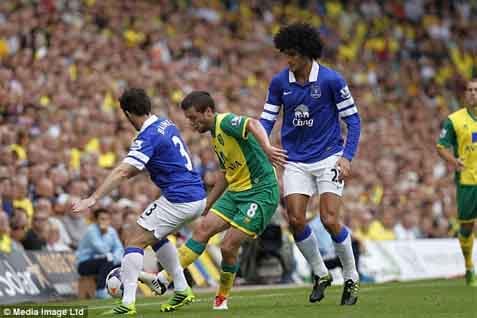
x=436 y=299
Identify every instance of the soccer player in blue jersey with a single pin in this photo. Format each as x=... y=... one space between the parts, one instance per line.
x=159 y=149
x=314 y=99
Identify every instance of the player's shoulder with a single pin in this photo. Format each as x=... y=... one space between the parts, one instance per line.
x=280 y=78
x=225 y=119
x=230 y=120
x=155 y=131
x=329 y=74
x=458 y=114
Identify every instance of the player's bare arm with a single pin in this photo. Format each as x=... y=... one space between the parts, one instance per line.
x=219 y=188
x=119 y=174
x=449 y=157
x=277 y=156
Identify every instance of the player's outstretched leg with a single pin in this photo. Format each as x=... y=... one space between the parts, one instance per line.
x=188 y=253
x=167 y=255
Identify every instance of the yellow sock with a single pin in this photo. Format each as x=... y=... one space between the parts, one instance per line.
x=187 y=256
x=466 y=244
x=226 y=283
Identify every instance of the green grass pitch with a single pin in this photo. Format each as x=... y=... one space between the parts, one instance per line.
x=433 y=299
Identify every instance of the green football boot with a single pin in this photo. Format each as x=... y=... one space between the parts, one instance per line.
x=178 y=300
x=121 y=309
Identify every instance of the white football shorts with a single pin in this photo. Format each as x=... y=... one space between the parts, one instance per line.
x=164 y=217
x=309 y=178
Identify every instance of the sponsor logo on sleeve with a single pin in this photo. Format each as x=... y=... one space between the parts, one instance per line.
x=345 y=93
x=236 y=120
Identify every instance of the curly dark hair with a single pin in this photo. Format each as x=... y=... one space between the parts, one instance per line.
x=301 y=37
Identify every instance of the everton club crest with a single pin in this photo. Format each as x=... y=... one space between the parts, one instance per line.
x=315 y=91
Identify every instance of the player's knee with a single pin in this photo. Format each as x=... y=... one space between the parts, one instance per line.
x=330 y=220
x=202 y=232
x=297 y=223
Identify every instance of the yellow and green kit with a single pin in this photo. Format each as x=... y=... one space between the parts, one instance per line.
x=460 y=133
x=252 y=195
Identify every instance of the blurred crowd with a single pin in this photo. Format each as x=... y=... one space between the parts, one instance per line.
x=65 y=62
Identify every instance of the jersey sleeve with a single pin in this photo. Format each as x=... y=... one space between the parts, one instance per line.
x=140 y=152
x=447 y=137
x=272 y=106
x=235 y=126
x=342 y=97
x=348 y=112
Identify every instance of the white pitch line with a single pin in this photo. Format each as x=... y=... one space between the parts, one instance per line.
x=368 y=289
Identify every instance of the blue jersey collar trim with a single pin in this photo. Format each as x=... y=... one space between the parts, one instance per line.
x=148 y=122
x=315 y=68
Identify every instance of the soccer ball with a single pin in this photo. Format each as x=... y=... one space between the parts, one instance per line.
x=114 y=284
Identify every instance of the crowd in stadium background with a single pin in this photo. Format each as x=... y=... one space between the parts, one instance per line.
x=65 y=63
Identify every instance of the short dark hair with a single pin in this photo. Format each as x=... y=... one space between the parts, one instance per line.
x=301 y=37
x=200 y=100
x=97 y=212
x=135 y=101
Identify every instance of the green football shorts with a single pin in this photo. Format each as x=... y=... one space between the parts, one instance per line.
x=466 y=203
x=249 y=211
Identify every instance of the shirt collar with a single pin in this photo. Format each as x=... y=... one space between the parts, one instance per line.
x=148 y=122
x=315 y=67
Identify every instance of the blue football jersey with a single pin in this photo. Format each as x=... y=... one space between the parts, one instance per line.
x=160 y=148
x=311 y=114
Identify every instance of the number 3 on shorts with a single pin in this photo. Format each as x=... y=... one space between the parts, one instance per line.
x=252 y=210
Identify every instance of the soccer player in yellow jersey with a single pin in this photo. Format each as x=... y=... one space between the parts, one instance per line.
x=460 y=133
x=245 y=195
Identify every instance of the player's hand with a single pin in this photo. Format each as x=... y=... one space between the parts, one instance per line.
x=344 y=166
x=277 y=156
x=458 y=164
x=84 y=204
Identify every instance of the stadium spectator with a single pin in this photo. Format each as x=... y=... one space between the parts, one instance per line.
x=46 y=206
x=5 y=238
x=35 y=237
x=19 y=227
x=54 y=242
x=99 y=250
x=407 y=229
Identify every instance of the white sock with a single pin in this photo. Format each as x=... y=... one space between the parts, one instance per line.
x=131 y=266
x=169 y=259
x=344 y=250
x=308 y=246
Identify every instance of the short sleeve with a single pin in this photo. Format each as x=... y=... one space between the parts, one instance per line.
x=140 y=152
x=235 y=126
x=447 y=137
x=342 y=97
